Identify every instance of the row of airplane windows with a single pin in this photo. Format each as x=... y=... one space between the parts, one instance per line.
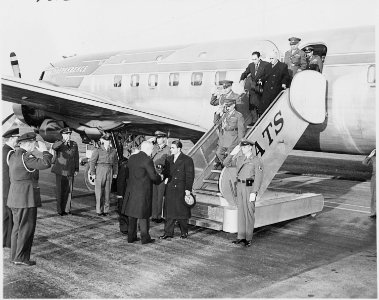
x=196 y=79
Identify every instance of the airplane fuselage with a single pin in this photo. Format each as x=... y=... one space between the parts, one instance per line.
x=178 y=82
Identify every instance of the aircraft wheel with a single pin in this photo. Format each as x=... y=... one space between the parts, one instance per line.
x=89 y=180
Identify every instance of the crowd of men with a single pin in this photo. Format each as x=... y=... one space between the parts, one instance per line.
x=154 y=180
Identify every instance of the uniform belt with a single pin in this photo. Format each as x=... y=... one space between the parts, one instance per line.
x=241 y=180
x=106 y=164
x=235 y=129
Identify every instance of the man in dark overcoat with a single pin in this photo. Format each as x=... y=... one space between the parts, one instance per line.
x=66 y=167
x=137 y=203
x=256 y=69
x=275 y=80
x=179 y=173
x=11 y=137
x=24 y=195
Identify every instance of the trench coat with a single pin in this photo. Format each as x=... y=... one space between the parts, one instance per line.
x=181 y=175
x=137 y=202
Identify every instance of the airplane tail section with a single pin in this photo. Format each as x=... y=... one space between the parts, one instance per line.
x=274 y=135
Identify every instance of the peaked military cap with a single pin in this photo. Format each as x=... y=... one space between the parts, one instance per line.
x=160 y=134
x=226 y=82
x=29 y=136
x=106 y=136
x=13 y=131
x=66 y=130
x=246 y=142
x=294 y=40
x=308 y=49
x=229 y=101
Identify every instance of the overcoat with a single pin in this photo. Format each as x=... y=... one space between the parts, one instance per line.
x=23 y=168
x=273 y=80
x=138 y=195
x=67 y=158
x=180 y=176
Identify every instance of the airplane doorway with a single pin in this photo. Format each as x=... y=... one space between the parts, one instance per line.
x=319 y=49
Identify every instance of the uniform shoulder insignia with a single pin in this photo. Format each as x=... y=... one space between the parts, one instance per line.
x=31 y=155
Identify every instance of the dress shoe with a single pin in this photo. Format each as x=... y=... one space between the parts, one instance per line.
x=373 y=216
x=100 y=214
x=159 y=220
x=25 y=263
x=105 y=214
x=148 y=242
x=154 y=220
x=124 y=232
x=247 y=243
x=184 y=236
x=134 y=240
x=239 y=241
x=165 y=237
x=62 y=214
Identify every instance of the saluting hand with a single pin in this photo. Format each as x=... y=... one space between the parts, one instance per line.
x=76 y=173
x=188 y=193
x=114 y=175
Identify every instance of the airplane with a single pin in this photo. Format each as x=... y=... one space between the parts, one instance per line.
x=169 y=89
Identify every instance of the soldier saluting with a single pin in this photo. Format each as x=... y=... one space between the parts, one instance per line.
x=231 y=127
x=24 y=195
x=249 y=180
x=66 y=167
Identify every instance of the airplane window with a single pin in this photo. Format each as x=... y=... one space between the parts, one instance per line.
x=197 y=78
x=174 y=79
x=153 y=80
x=134 y=80
x=117 y=81
x=220 y=75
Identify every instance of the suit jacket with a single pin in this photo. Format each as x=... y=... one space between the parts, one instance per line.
x=7 y=151
x=251 y=167
x=23 y=168
x=67 y=158
x=251 y=70
x=273 y=80
x=137 y=202
x=181 y=175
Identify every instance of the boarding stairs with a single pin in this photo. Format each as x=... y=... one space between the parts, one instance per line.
x=275 y=135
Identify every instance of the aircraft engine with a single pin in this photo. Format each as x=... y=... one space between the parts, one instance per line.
x=49 y=130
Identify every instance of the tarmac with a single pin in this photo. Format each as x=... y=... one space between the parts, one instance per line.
x=331 y=255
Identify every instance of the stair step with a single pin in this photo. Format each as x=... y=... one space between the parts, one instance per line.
x=215 y=181
x=216 y=171
x=205 y=223
x=207 y=192
x=208 y=211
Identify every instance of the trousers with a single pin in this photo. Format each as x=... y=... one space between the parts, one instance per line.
x=25 y=220
x=65 y=185
x=246 y=213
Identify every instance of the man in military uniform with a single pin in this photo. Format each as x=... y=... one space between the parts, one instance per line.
x=24 y=195
x=11 y=137
x=253 y=81
x=313 y=61
x=249 y=179
x=160 y=152
x=295 y=58
x=66 y=167
x=231 y=129
x=242 y=103
x=103 y=166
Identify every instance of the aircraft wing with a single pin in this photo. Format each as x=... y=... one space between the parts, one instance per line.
x=86 y=108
